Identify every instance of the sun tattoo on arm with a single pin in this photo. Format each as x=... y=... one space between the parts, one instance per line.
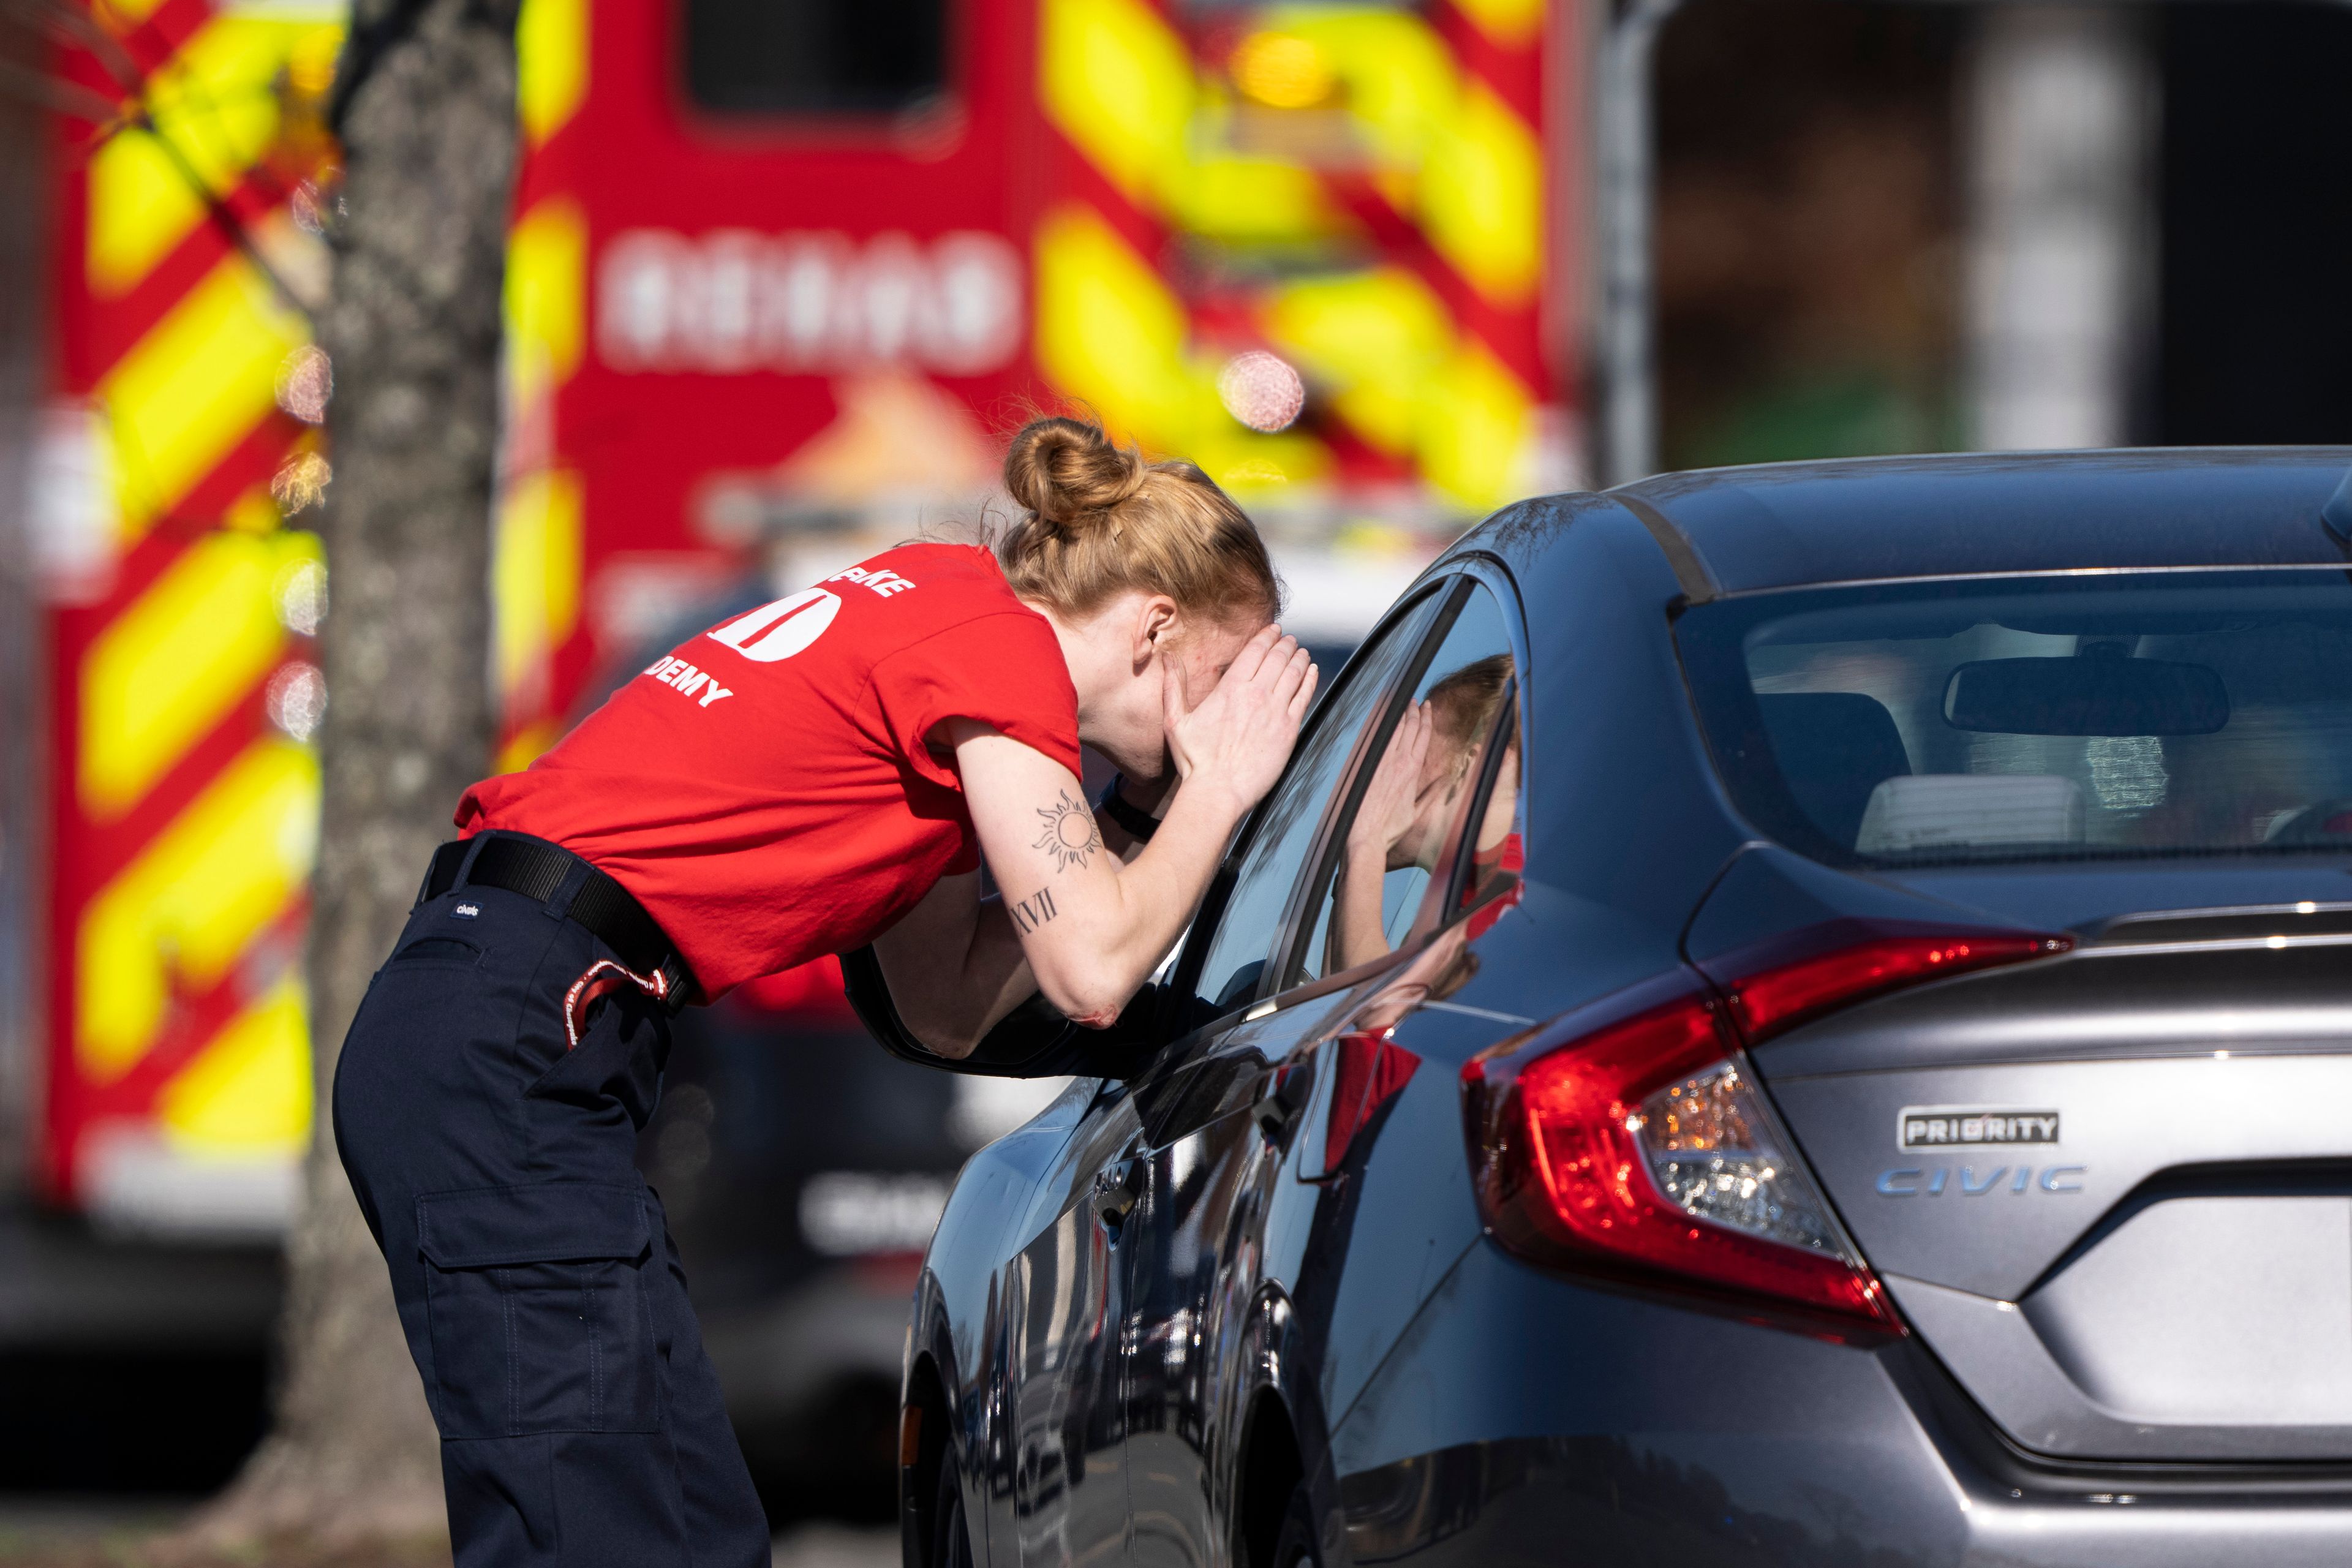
x=1070 y=836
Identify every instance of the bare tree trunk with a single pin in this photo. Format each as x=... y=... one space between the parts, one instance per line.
x=411 y=329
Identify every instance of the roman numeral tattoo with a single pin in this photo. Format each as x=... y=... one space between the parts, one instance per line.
x=1034 y=910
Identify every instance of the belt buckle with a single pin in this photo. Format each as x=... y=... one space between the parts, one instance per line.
x=676 y=984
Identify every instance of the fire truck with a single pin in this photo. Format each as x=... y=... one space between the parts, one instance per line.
x=780 y=276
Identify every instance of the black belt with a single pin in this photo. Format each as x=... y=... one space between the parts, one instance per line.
x=538 y=869
x=1139 y=824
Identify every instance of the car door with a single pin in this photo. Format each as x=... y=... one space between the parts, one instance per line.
x=1057 y=1448
x=1297 y=1075
x=1059 y=1497
x=1202 y=1152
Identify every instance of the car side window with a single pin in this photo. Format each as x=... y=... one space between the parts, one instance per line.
x=1493 y=844
x=1269 y=868
x=1406 y=812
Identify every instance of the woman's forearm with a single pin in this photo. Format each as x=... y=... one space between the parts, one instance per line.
x=1359 y=934
x=954 y=966
x=1156 y=894
x=1094 y=929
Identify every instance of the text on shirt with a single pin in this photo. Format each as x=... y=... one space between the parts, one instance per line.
x=674 y=671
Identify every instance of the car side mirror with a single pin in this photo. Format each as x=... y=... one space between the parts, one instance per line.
x=1032 y=1041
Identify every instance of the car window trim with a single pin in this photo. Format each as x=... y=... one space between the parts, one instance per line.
x=1451 y=877
x=1474 y=571
x=2085 y=572
x=1690 y=574
x=1309 y=990
x=1491 y=570
x=1354 y=779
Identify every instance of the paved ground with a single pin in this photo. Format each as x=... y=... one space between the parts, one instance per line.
x=838 y=1546
x=73 y=1534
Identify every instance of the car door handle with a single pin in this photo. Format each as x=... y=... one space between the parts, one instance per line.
x=1116 y=1190
x=1285 y=1091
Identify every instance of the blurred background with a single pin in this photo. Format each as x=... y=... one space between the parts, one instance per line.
x=780 y=275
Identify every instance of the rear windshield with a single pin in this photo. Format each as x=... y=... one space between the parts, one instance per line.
x=2110 y=715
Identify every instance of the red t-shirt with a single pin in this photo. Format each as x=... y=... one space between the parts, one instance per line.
x=1509 y=859
x=767 y=791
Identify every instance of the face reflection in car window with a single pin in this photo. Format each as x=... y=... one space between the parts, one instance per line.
x=1495 y=856
x=1277 y=855
x=1414 y=804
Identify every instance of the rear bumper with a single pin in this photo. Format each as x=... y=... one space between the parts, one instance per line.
x=1525 y=1418
x=1533 y=1501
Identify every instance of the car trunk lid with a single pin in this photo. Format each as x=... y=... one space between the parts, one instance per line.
x=2109 y=1189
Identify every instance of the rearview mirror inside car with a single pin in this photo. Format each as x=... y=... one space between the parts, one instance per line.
x=1032 y=1041
x=2098 y=691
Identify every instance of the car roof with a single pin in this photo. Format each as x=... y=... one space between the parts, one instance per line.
x=1787 y=524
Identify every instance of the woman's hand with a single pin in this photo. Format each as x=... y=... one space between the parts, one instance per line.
x=1391 y=801
x=1392 y=797
x=1239 y=736
x=1087 y=927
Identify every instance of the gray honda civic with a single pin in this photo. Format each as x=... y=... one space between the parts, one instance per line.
x=1785 y=1015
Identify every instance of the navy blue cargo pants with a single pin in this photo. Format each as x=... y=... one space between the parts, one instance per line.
x=581 y=1421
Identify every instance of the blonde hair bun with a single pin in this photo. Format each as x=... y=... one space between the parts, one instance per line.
x=1067 y=474
x=1099 y=521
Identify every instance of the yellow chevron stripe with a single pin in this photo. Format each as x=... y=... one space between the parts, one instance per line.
x=119 y=17
x=140 y=206
x=1513 y=24
x=255 y=512
x=248 y=1091
x=551 y=65
x=188 y=650
x=192 y=901
x=1375 y=339
x=535 y=577
x=1477 y=432
x=1121 y=84
x=1110 y=333
x=217 y=100
x=526 y=745
x=195 y=386
x=1118 y=82
x=1399 y=77
x=1482 y=197
x=1447 y=151
x=1408 y=382
x=1248 y=199
x=546 y=299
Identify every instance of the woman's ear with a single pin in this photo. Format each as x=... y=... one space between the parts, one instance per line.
x=1158 y=625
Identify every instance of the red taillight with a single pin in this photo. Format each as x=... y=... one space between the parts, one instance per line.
x=1634 y=1138
x=1780 y=983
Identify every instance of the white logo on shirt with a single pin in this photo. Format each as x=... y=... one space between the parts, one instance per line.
x=674 y=671
x=779 y=630
x=884 y=582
